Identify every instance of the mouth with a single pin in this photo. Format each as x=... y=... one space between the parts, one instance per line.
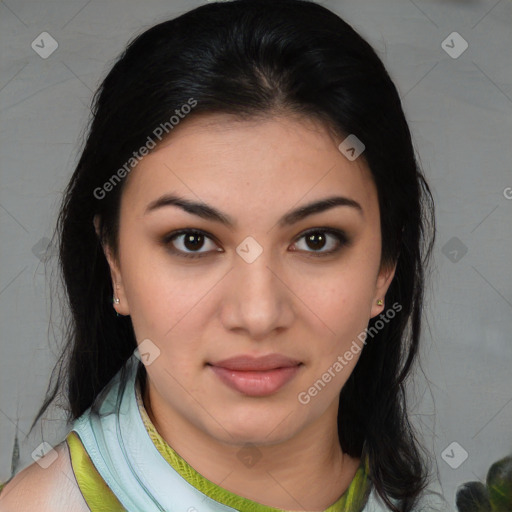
x=256 y=376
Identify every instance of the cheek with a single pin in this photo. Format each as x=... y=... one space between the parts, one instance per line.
x=343 y=302
x=166 y=308
x=154 y=299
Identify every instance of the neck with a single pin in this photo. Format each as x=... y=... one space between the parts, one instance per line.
x=306 y=472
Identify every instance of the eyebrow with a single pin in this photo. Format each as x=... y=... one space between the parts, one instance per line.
x=208 y=212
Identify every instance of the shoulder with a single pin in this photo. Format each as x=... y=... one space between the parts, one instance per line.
x=48 y=485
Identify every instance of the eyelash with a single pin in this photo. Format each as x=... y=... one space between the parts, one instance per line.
x=341 y=237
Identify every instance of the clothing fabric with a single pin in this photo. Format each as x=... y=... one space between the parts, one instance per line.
x=122 y=463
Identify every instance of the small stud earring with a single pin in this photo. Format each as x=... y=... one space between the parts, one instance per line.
x=379 y=302
x=115 y=300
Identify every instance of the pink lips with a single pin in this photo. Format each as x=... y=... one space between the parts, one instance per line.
x=256 y=376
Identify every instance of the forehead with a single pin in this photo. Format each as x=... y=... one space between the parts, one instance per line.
x=220 y=159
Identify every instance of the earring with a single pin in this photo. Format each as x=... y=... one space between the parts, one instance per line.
x=115 y=300
x=379 y=302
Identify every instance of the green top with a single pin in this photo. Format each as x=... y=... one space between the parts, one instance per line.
x=352 y=500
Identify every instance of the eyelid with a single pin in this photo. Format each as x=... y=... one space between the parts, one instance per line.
x=168 y=239
x=341 y=236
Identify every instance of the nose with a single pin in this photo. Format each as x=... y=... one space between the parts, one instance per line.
x=257 y=298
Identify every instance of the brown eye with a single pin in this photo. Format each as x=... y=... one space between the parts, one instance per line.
x=188 y=242
x=318 y=239
x=193 y=241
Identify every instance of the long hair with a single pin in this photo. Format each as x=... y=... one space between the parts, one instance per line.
x=256 y=58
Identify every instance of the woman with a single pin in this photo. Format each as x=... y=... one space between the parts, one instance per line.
x=243 y=244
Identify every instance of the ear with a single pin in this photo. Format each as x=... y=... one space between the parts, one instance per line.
x=386 y=275
x=115 y=272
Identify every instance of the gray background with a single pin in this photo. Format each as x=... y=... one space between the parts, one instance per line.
x=459 y=110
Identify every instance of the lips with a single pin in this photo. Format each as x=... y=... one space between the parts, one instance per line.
x=256 y=376
x=250 y=363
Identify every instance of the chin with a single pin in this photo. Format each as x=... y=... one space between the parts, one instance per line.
x=256 y=428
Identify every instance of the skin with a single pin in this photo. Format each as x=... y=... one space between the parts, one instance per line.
x=287 y=301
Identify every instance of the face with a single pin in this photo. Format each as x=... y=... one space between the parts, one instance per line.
x=243 y=277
